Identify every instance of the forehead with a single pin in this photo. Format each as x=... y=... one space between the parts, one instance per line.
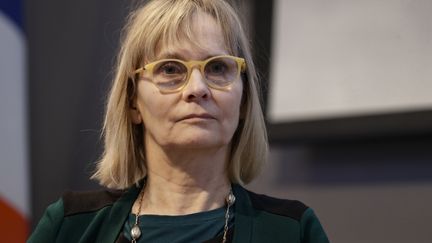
x=198 y=38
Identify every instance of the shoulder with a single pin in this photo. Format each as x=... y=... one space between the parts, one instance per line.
x=48 y=226
x=287 y=219
x=69 y=219
x=89 y=201
x=284 y=207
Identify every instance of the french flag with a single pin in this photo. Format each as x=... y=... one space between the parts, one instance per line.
x=14 y=175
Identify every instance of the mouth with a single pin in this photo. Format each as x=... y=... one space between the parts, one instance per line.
x=203 y=116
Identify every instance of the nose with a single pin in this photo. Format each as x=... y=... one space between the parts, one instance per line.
x=196 y=88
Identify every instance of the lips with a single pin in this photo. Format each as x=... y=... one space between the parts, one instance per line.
x=197 y=116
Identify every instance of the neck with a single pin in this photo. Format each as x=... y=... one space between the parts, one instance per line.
x=185 y=182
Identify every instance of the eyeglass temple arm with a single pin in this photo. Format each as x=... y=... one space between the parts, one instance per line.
x=139 y=70
x=242 y=65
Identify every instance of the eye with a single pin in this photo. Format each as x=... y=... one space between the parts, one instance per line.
x=216 y=67
x=170 y=68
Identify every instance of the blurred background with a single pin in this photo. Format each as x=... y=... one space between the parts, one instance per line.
x=346 y=91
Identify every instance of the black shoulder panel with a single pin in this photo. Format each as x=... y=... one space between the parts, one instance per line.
x=82 y=202
x=284 y=207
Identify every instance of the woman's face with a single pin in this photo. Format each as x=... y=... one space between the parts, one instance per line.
x=197 y=116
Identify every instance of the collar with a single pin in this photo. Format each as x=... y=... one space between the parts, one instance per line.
x=113 y=225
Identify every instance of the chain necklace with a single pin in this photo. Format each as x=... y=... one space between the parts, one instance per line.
x=136 y=231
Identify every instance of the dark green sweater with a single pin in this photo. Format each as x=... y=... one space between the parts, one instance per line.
x=100 y=216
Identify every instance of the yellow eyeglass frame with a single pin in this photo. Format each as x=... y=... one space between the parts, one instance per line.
x=241 y=67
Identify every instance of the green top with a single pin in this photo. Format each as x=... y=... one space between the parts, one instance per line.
x=197 y=227
x=100 y=217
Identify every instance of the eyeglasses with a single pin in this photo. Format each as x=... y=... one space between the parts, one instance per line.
x=172 y=75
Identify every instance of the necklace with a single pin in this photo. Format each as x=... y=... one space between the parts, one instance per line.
x=136 y=231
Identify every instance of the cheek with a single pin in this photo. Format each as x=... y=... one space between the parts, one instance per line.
x=151 y=107
x=232 y=106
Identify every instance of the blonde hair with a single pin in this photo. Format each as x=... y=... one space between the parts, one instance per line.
x=163 y=21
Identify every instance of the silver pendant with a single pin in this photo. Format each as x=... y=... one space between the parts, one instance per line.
x=135 y=232
x=230 y=200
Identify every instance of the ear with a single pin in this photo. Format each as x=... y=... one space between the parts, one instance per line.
x=134 y=112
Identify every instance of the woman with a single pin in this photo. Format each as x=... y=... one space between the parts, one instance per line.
x=183 y=131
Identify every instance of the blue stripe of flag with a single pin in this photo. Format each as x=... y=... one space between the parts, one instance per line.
x=13 y=9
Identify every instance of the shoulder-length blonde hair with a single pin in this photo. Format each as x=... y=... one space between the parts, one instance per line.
x=162 y=21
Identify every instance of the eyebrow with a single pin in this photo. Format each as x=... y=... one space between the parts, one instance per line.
x=175 y=55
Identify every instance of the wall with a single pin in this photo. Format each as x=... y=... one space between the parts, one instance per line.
x=370 y=57
x=376 y=191
x=71 y=51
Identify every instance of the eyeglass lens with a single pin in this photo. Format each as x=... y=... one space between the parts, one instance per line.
x=172 y=74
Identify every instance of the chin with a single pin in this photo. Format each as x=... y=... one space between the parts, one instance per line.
x=197 y=141
x=201 y=143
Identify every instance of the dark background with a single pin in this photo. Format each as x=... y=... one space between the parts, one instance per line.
x=366 y=185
